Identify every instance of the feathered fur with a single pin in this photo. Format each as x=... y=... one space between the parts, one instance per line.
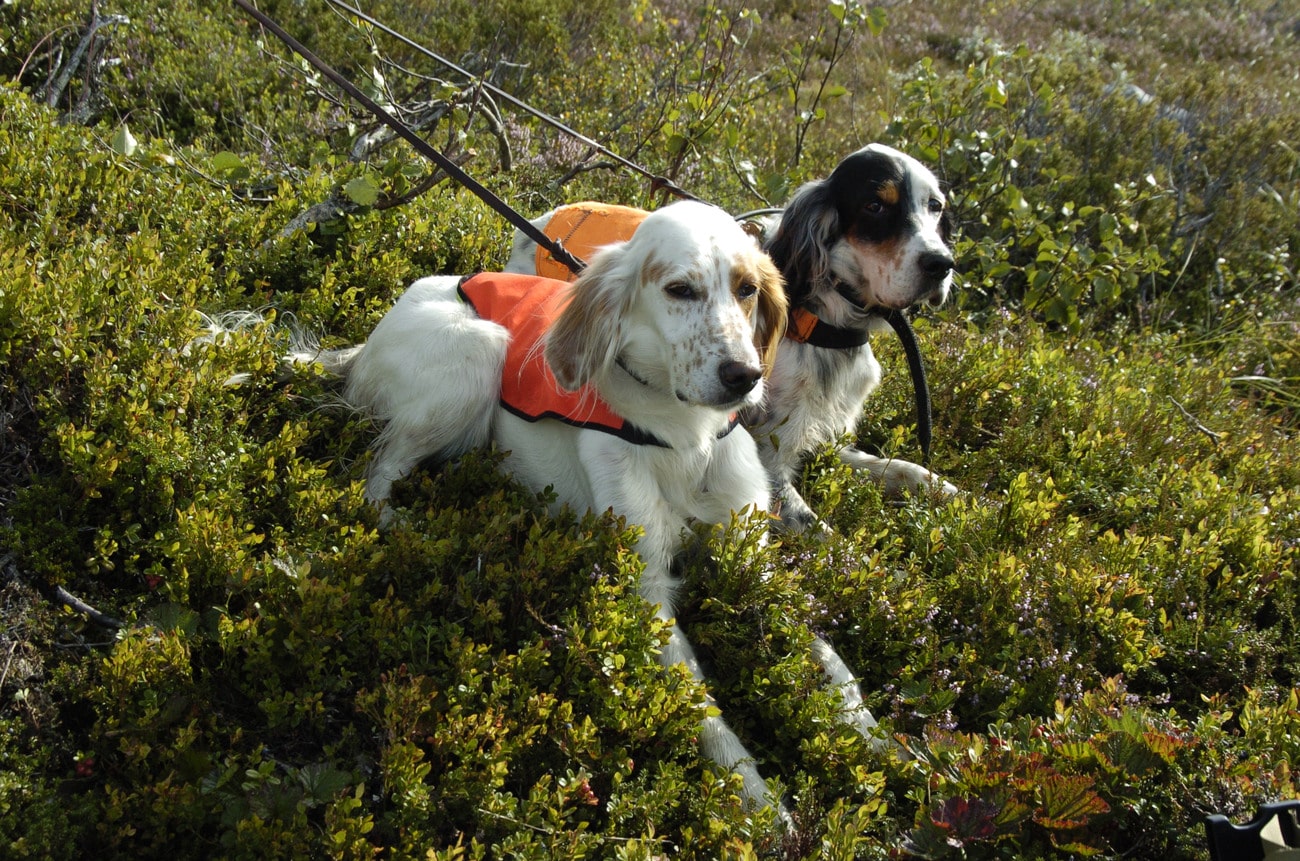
x=671 y=329
x=872 y=236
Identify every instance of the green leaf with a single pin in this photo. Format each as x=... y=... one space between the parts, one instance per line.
x=123 y=142
x=1068 y=801
x=876 y=20
x=226 y=161
x=362 y=191
x=1104 y=289
x=995 y=94
x=321 y=782
x=229 y=167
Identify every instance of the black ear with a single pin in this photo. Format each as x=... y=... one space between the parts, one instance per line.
x=800 y=245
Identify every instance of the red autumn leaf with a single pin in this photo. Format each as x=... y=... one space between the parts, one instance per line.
x=966 y=819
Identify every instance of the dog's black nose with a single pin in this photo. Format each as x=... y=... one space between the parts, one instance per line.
x=739 y=377
x=936 y=264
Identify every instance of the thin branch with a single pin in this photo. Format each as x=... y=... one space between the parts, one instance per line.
x=63 y=596
x=584 y=167
x=59 y=595
x=1216 y=437
x=13 y=647
x=367 y=143
x=318 y=213
x=419 y=188
x=489 y=111
x=97 y=22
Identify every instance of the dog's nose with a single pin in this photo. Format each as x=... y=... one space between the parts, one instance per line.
x=739 y=377
x=936 y=264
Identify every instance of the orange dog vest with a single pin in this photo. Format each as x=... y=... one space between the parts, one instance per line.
x=526 y=305
x=583 y=228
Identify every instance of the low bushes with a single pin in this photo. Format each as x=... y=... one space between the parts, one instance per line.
x=1083 y=654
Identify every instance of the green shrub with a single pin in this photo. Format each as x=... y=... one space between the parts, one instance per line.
x=1085 y=652
x=1061 y=222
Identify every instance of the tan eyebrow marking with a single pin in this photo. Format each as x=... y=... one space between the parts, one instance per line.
x=888 y=192
x=653 y=270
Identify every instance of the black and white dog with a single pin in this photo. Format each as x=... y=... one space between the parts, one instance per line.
x=871 y=238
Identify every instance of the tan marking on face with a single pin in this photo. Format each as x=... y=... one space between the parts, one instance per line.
x=770 y=302
x=879 y=262
x=743 y=277
x=889 y=193
x=887 y=253
x=653 y=271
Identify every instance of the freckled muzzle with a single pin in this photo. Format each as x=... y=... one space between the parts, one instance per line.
x=734 y=384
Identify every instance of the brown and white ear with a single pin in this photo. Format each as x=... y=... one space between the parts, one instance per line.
x=773 y=312
x=583 y=341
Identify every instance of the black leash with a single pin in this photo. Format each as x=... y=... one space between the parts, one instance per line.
x=902 y=326
x=657 y=183
x=453 y=170
x=920 y=388
x=896 y=319
x=819 y=333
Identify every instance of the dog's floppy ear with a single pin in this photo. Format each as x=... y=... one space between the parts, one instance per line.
x=802 y=242
x=583 y=340
x=773 y=312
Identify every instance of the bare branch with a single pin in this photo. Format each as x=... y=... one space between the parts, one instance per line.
x=53 y=92
x=1191 y=419
x=59 y=595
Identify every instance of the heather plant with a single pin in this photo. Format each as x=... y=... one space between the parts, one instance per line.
x=210 y=649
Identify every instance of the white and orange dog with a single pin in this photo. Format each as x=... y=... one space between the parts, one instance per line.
x=650 y=355
x=870 y=238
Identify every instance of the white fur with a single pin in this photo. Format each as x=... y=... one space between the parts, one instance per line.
x=816 y=395
x=652 y=327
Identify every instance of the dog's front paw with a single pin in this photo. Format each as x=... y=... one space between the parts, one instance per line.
x=903 y=478
x=794 y=515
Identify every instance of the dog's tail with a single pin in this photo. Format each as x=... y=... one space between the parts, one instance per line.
x=303 y=346
x=306 y=350
x=220 y=330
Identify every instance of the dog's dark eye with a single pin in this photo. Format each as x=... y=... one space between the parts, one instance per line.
x=746 y=291
x=680 y=290
x=936 y=205
x=874 y=207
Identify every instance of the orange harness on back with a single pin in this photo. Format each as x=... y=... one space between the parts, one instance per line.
x=526 y=305
x=583 y=228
